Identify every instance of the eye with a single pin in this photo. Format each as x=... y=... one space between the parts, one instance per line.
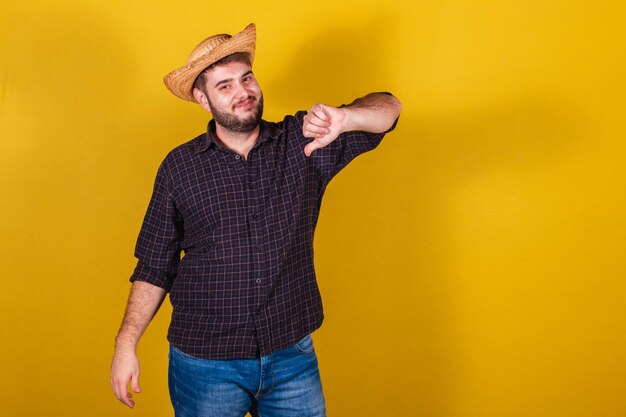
x=224 y=87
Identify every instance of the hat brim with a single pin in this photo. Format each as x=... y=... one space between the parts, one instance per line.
x=180 y=81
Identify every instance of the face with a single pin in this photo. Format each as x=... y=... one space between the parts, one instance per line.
x=233 y=97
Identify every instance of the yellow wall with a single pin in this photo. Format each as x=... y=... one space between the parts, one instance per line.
x=472 y=266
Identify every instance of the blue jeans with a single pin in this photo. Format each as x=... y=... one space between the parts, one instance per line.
x=283 y=384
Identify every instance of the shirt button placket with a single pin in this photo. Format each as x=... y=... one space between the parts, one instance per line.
x=253 y=205
x=256 y=227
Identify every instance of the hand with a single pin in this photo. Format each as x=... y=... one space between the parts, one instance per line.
x=323 y=124
x=125 y=369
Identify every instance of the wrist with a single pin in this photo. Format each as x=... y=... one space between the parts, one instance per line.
x=349 y=119
x=125 y=345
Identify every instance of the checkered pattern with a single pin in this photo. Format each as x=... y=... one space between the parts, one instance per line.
x=246 y=285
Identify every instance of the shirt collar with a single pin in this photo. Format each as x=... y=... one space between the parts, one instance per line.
x=208 y=140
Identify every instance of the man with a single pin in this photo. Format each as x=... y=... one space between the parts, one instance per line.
x=241 y=201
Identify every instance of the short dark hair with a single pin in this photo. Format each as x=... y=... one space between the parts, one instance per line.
x=200 y=82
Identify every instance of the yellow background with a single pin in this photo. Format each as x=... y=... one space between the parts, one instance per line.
x=472 y=266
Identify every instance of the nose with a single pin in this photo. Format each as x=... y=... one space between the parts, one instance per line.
x=240 y=91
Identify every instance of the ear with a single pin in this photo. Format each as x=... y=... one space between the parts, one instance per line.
x=202 y=99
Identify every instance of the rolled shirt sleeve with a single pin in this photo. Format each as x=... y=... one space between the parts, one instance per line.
x=158 y=245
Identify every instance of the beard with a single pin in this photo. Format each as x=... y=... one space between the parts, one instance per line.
x=233 y=123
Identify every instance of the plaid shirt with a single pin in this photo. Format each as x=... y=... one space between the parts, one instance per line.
x=246 y=284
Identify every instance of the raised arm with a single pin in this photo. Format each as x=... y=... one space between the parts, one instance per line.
x=143 y=303
x=373 y=113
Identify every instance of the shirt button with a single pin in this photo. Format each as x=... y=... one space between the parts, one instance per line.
x=255 y=216
x=237 y=157
x=258 y=280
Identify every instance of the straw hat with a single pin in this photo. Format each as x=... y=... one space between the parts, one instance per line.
x=212 y=49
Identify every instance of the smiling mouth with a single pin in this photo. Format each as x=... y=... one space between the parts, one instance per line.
x=246 y=103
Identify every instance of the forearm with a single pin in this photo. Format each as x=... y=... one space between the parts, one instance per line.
x=143 y=303
x=374 y=113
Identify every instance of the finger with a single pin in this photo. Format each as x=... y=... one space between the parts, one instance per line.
x=134 y=382
x=315 y=131
x=129 y=401
x=319 y=111
x=315 y=120
x=319 y=122
x=310 y=147
x=122 y=395
x=313 y=135
x=317 y=115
